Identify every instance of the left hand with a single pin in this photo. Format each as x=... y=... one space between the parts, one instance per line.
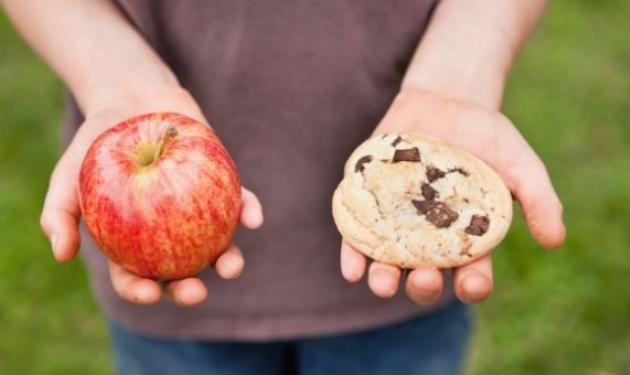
x=493 y=138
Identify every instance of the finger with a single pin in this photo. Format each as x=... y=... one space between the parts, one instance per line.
x=133 y=288
x=473 y=282
x=541 y=206
x=230 y=264
x=60 y=215
x=251 y=213
x=60 y=226
x=383 y=279
x=352 y=263
x=529 y=182
x=187 y=292
x=424 y=285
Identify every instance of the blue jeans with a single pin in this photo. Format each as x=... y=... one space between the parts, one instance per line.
x=431 y=344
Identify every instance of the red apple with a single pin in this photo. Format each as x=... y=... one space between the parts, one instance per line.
x=160 y=195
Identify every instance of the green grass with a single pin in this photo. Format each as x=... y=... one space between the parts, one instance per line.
x=48 y=321
x=567 y=312
x=564 y=312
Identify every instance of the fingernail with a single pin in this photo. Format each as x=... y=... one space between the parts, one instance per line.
x=53 y=242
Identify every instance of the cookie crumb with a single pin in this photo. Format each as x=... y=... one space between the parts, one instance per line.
x=459 y=170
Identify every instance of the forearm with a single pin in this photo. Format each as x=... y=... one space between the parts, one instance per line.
x=470 y=46
x=92 y=47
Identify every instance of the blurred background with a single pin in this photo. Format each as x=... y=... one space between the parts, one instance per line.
x=564 y=312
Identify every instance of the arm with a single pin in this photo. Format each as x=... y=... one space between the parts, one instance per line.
x=470 y=46
x=453 y=90
x=89 y=44
x=114 y=74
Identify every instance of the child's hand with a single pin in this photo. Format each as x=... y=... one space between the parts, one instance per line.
x=61 y=213
x=492 y=137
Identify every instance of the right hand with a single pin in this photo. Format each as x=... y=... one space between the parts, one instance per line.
x=61 y=212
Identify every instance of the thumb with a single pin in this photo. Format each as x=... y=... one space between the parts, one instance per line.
x=540 y=203
x=251 y=213
x=60 y=216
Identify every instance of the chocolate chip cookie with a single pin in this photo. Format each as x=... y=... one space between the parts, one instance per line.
x=409 y=200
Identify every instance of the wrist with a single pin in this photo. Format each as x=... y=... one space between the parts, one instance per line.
x=94 y=95
x=469 y=47
x=479 y=83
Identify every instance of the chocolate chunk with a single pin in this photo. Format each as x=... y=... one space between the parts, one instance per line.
x=459 y=170
x=437 y=213
x=410 y=154
x=396 y=141
x=441 y=216
x=434 y=173
x=478 y=225
x=362 y=160
x=428 y=192
x=423 y=206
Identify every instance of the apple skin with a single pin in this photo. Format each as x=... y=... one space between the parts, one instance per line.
x=160 y=195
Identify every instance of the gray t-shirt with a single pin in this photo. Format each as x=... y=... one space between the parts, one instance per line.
x=291 y=87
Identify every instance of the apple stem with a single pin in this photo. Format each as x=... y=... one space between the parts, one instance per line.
x=170 y=132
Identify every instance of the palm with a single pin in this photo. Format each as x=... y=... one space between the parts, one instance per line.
x=61 y=208
x=491 y=137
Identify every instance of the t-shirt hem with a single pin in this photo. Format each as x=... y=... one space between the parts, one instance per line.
x=280 y=328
